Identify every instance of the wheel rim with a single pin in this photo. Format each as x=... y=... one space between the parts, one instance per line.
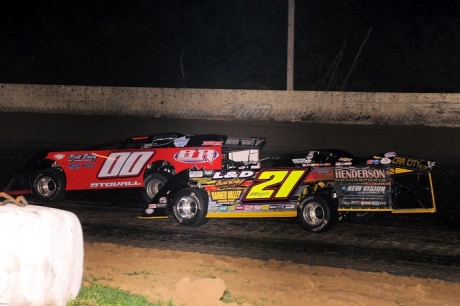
x=187 y=207
x=46 y=186
x=153 y=187
x=313 y=214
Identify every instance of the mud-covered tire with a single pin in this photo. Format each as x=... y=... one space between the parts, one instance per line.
x=360 y=217
x=49 y=186
x=190 y=207
x=317 y=214
x=153 y=183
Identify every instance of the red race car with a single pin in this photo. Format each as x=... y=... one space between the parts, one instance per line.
x=142 y=162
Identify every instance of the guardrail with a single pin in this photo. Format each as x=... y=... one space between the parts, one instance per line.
x=431 y=109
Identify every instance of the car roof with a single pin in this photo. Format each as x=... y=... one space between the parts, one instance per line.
x=171 y=140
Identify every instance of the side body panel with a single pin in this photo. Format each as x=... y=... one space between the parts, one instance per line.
x=105 y=169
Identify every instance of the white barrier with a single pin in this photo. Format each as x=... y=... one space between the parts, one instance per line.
x=440 y=110
x=41 y=256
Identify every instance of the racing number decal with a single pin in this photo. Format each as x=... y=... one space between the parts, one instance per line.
x=276 y=184
x=124 y=164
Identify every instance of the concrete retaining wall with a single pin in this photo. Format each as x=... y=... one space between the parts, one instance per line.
x=438 y=110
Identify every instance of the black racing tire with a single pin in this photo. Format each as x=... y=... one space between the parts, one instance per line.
x=362 y=217
x=190 y=207
x=317 y=214
x=49 y=185
x=153 y=183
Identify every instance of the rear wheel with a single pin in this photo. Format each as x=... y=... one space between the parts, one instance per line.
x=49 y=185
x=190 y=207
x=153 y=183
x=316 y=214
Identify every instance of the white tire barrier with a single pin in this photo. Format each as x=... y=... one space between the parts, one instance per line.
x=41 y=254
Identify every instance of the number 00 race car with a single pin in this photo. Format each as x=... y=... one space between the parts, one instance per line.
x=142 y=162
x=313 y=186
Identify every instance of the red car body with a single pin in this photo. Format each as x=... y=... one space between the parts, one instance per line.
x=142 y=162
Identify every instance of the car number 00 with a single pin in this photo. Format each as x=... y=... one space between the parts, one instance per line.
x=124 y=164
x=274 y=184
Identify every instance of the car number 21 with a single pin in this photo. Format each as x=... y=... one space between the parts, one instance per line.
x=274 y=184
x=124 y=164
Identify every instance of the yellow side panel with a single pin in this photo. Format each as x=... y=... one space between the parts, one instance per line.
x=284 y=214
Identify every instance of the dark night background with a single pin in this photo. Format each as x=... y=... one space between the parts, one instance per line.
x=240 y=44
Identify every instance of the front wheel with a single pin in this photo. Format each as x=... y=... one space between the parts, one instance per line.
x=190 y=207
x=316 y=214
x=49 y=185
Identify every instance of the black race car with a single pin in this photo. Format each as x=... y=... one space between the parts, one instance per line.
x=316 y=186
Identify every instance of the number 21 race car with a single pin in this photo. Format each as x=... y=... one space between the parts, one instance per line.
x=316 y=187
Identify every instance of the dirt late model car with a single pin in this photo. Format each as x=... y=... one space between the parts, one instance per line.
x=316 y=187
x=144 y=163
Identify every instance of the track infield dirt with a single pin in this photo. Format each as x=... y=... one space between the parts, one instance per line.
x=191 y=278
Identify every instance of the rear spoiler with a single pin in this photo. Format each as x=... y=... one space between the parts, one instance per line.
x=237 y=143
x=412 y=163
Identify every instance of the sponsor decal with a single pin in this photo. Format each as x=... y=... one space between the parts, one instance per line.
x=409 y=162
x=299 y=160
x=212 y=143
x=82 y=157
x=225 y=196
x=232 y=174
x=390 y=154
x=343 y=163
x=138 y=138
x=372 y=162
x=196 y=156
x=59 y=156
x=88 y=166
x=115 y=184
x=229 y=183
x=242 y=142
x=359 y=194
x=360 y=174
x=385 y=161
x=239 y=207
x=363 y=189
x=232 y=141
x=320 y=164
x=195 y=174
x=74 y=166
